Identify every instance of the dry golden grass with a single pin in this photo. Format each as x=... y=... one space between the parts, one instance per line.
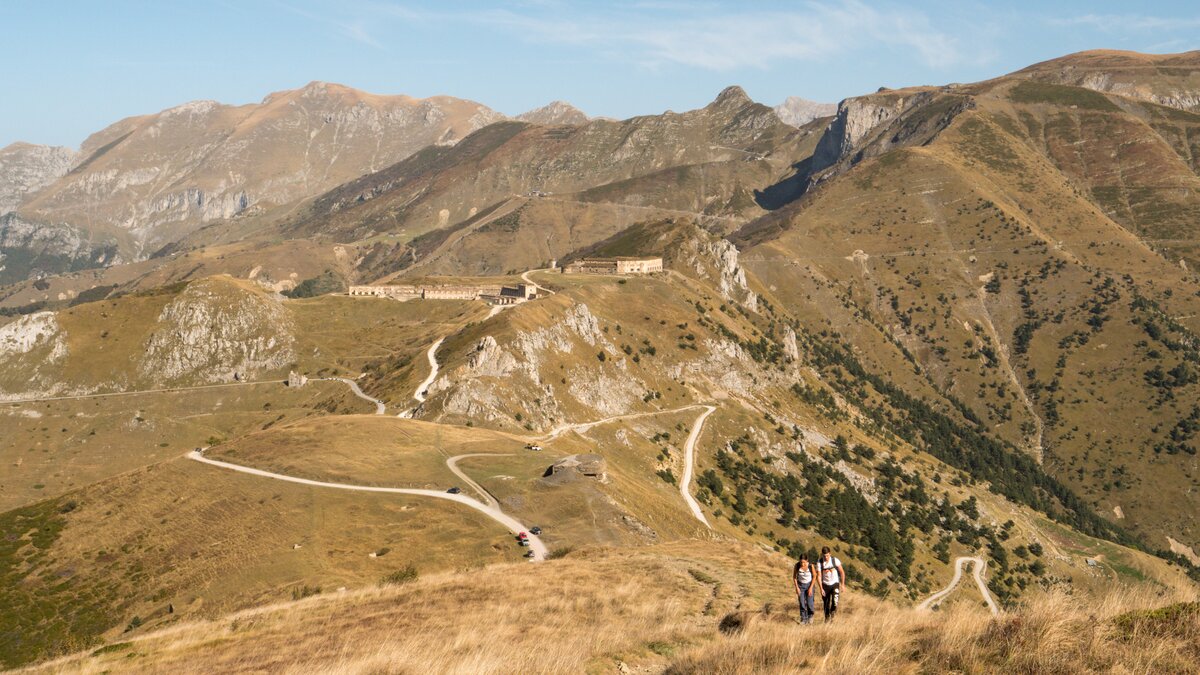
x=654 y=609
x=1054 y=634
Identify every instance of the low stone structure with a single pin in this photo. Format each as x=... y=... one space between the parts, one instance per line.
x=620 y=265
x=496 y=294
x=574 y=466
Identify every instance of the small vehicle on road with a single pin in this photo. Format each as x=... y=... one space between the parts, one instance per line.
x=529 y=554
x=454 y=490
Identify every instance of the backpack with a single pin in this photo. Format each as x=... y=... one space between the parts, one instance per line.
x=834 y=563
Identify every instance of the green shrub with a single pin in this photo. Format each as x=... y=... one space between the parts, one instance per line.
x=404 y=575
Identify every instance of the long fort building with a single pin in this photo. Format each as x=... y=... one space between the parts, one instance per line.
x=621 y=265
x=495 y=294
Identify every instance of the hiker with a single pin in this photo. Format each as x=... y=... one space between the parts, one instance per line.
x=833 y=580
x=803 y=580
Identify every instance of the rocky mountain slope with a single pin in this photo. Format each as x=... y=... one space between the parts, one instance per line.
x=554 y=112
x=25 y=168
x=151 y=179
x=1013 y=243
x=1171 y=80
x=945 y=322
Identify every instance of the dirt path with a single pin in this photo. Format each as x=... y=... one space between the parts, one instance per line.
x=513 y=525
x=584 y=426
x=380 y=408
x=488 y=498
x=689 y=447
x=531 y=282
x=689 y=452
x=140 y=391
x=431 y=355
x=977 y=573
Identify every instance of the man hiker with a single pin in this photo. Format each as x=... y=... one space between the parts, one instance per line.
x=803 y=580
x=833 y=580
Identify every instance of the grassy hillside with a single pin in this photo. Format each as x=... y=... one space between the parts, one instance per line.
x=677 y=608
x=980 y=269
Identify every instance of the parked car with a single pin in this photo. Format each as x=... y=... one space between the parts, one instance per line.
x=454 y=490
x=535 y=530
x=535 y=448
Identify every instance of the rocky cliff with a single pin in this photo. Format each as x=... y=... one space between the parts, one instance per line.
x=24 y=168
x=31 y=249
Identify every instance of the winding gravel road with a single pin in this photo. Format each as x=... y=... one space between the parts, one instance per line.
x=431 y=355
x=380 y=408
x=488 y=497
x=689 y=462
x=531 y=282
x=513 y=525
x=977 y=573
x=689 y=447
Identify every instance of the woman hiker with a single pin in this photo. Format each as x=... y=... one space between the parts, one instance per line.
x=803 y=580
x=833 y=580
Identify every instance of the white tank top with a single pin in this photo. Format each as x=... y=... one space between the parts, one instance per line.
x=829 y=573
x=804 y=574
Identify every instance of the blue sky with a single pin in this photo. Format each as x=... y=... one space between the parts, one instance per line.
x=71 y=68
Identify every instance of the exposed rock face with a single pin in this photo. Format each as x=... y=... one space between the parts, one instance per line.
x=28 y=332
x=797 y=111
x=162 y=176
x=483 y=386
x=24 y=168
x=214 y=330
x=790 y=349
x=856 y=117
x=1171 y=80
x=32 y=249
x=705 y=255
x=31 y=346
x=555 y=112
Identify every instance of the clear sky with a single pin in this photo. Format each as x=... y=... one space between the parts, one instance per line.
x=70 y=68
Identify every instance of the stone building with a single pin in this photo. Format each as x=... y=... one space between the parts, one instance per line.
x=495 y=294
x=619 y=265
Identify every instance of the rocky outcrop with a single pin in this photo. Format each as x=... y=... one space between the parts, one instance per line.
x=483 y=387
x=215 y=331
x=1171 y=80
x=555 y=113
x=30 y=348
x=24 y=168
x=798 y=111
x=856 y=117
x=869 y=126
x=30 y=249
x=28 y=332
x=715 y=258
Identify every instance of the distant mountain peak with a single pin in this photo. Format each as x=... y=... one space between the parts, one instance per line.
x=798 y=111
x=555 y=112
x=731 y=96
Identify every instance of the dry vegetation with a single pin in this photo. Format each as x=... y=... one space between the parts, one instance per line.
x=681 y=608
